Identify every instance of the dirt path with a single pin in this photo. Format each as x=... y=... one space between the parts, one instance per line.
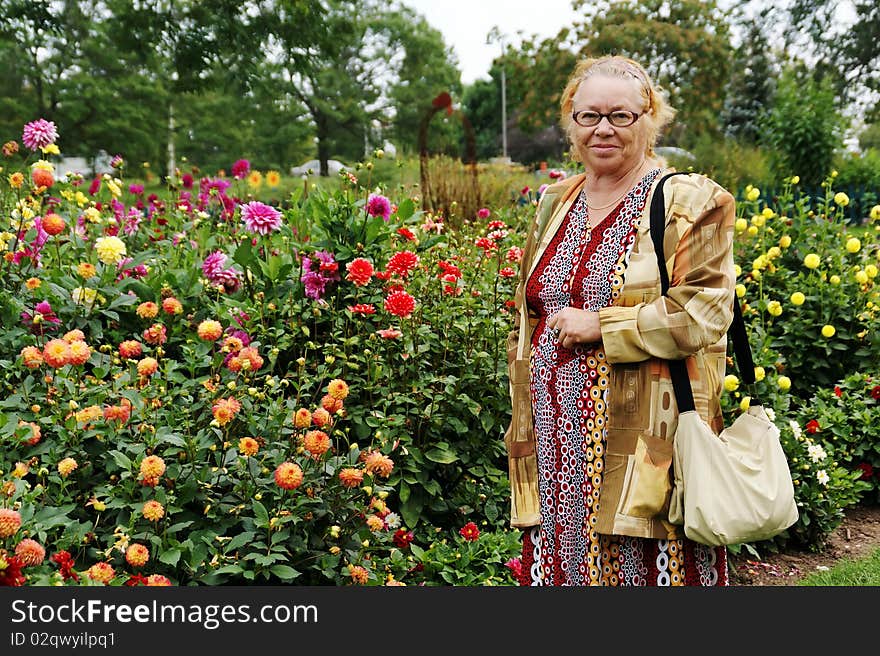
x=856 y=537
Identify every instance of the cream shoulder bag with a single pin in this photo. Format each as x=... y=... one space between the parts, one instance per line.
x=734 y=487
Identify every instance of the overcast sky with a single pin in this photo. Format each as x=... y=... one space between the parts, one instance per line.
x=466 y=23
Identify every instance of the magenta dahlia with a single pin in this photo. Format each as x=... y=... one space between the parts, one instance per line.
x=260 y=218
x=39 y=133
x=378 y=205
x=240 y=169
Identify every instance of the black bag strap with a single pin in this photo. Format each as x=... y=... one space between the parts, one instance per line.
x=681 y=383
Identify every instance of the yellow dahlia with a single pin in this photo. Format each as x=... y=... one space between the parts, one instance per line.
x=32 y=283
x=89 y=413
x=147 y=310
x=731 y=382
x=153 y=511
x=784 y=383
x=209 y=330
x=812 y=261
x=111 y=250
x=20 y=470
x=798 y=298
x=66 y=467
x=86 y=270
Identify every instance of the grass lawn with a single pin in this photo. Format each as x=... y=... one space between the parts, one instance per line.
x=865 y=571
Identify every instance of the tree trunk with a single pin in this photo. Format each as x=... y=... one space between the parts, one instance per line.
x=323 y=146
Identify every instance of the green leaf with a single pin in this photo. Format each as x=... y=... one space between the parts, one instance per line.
x=284 y=572
x=442 y=456
x=229 y=569
x=239 y=540
x=261 y=515
x=121 y=459
x=170 y=557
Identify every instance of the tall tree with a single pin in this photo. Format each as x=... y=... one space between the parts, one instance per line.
x=683 y=44
x=753 y=79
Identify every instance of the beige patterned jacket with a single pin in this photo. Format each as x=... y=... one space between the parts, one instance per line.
x=639 y=330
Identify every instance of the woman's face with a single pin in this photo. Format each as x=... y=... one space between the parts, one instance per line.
x=604 y=148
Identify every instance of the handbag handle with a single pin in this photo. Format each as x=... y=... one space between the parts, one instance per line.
x=681 y=383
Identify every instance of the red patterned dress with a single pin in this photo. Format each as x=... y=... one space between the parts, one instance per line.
x=585 y=268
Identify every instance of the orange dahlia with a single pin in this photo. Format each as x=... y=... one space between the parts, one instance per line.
x=74 y=335
x=101 y=572
x=80 y=352
x=225 y=410
x=376 y=462
x=302 y=418
x=10 y=522
x=158 y=580
x=147 y=367
x=320 y=417
x=338 y=389
x=137 y=555
x=248 y=446
x=42 y=178
x=130 y=349
x=375 y=523
x=316 y=442
x=152 y=467
x=288 y=476
x=30 y=552
x=56 y=353
x=53 y=224
x=330 y=404
x=209 y=330
x=153 y=511
x=358 y=574
x=253 y=356
x=351 y=477
x=32 y=357
x=171 y=305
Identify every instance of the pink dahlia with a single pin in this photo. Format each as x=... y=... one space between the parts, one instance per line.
x=30 y=552
x=213 y=264
x=378 y=205
x=260 y=218
x=39 y=133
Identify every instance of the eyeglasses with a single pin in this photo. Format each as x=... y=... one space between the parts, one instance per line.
x=619 y=118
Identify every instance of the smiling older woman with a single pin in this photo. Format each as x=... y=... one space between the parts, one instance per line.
x=589 y=442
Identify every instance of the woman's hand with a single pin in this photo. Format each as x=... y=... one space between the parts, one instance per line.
x=574 y=326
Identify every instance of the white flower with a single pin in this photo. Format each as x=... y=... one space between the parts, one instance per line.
x=822 y=477
x=392 y=520
x=795 y=428
x=771 y=413
x=816 y=453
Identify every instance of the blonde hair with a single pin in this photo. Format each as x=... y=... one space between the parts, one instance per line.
x=658 y=112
